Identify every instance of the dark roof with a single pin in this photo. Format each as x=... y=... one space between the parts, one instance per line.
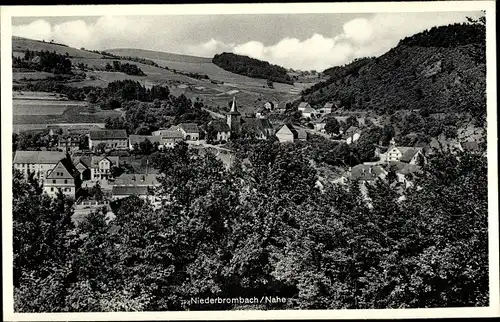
x=85 y=160
x=135 y=179
x=408 y=153
x=471 y=146
x=141 y=138
x=256 y=125
x=108 y=134
x=38 y=157
x=298 y=133
x=219 y=126
x=129 y=190
x=72 y=172
x=189 y=127
x=366 y=172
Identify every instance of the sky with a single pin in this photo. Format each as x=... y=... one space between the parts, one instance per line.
x=298 y=41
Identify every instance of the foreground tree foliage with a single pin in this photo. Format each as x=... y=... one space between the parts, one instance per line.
x=261 y=227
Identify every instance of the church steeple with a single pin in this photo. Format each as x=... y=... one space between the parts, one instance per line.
x=234 y=118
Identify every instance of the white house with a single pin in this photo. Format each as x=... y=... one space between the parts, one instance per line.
x=408 y=155
x=100 y=167
x=289 y=133
x=38 y=162
x=309 y=113
x=303 y=105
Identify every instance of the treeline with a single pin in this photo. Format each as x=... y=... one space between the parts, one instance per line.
x=260 y=228
x=338 y=72
x=140 y=60
x=252 y=67
x=458 y=34
x=433 y=78
x=126 y=68
x=142 y=118
x=44 y=61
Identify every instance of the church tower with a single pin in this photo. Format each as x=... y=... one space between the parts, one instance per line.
x=234 y=118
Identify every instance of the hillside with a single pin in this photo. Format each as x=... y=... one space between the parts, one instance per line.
x=183 y=74
x=252 y=67
x=437 y=70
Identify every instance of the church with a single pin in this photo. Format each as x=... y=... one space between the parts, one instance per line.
x=259 y=128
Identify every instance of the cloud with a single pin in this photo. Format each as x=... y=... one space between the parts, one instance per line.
x=360 y=37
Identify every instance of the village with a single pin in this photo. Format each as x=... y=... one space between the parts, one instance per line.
x=86 y=157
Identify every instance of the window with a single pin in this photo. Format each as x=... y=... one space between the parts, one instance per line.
x=53 y=181
x=52 y=189
x=65 y=181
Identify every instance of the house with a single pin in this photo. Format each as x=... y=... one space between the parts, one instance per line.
x=290 y=133
x=261 y=129
x=139 y=180
x=303 y=105
x=70 y=140
x=352 y=134
x=121 y=192
x=111 y=139
x=404 y=172
x=100 y=167
x=320 y=126
x=83 y=165
x=408 y=155
x=309 y=113
x=328 y=108
x=135 y=140
x=169 y=137
x=281 y=108
x=261 y=113
x=222 y=132
x=63 y=177
x=190 y=131
x=38 y=162
x=367 y=172
x=272 y=104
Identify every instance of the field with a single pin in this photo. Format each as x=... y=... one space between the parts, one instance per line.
x=43 y=108
x=252 y=93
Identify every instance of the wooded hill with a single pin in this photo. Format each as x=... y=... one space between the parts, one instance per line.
x=440 y=69
x=252 y=67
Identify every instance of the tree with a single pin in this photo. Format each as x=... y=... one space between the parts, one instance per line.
x=332 y=126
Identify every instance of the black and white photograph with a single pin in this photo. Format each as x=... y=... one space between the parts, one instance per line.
x=283 y=159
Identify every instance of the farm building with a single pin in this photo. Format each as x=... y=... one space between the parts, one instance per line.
x=289 y=133
x=190 y=131
x=111 y=139
x=38 y=162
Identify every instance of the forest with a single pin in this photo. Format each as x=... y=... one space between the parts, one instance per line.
x=129 y=69
x=261 y=227
x=44 y=61
x=252 y=67
x=441 y=70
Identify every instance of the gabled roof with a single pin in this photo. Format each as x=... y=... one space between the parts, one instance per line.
x=141 y=138
x=129 y=190
x=85 y=160
x=168 y=134
x=38 y=157
x=135 y=179
x=219 y=126
x=189 y=127
x=328 y=105
x=408 y=153
x=96 y=159
x=297 y=132
x=108 y=134
x=66 y=167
